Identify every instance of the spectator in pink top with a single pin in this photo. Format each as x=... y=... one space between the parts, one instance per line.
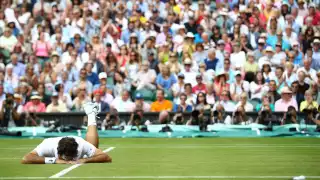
x=35 y=104
x=42 y=49
x=286 y=100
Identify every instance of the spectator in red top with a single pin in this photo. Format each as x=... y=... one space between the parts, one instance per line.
x=35 y=104
x=314 y=14
x=200 y=87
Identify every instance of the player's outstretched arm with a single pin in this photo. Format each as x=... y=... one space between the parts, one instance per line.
x=98 y=157
x=34 y=158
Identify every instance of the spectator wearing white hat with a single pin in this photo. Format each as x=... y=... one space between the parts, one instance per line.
x=286 y=100
x=268 y=57
x=189 y=73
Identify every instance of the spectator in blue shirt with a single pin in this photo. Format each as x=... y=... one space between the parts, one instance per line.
x=91 y=76
x=211 y=61
x=165 y=79
x=183 y=106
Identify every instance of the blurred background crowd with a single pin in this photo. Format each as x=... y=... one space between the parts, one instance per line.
x=159 y=55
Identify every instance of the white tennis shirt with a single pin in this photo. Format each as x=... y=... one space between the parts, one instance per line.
x=48 y=148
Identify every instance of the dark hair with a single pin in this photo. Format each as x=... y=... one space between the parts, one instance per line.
x=68 y=147
x=69 y=45
x=249 y=76
x=161 y=90
x=269 y=68
x=187 y=84
x=256 y=78
x=279 y=67
x=123 y=76
x=205 y=98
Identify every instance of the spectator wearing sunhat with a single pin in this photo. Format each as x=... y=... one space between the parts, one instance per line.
x=286 y=100
x=189 y=73
x=220 y=82
x=269 y=52
x=35 y=104
x=140 y=103
x=55 y=105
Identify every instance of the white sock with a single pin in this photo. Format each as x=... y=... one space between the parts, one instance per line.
x=92 y=119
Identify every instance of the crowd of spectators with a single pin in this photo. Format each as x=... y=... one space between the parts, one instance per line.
x=160 y=55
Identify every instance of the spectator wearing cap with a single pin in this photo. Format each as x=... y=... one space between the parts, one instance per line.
x=178 y=87
x=211 y=61
x=103 y=106
x=18 y=67
x=286 y=100
x=250 y=65
x=238 y=57
x=200 y=87
x=35 y=104
x=123 y=102
x=200 y=54
x=55 y=105
x=258 y=53
x=82 y=81
x=145 y=78
x=63 y=97
x=7 y=43
x=267 y=58
x=238 y=87
x=139 y=103
x=165 y=79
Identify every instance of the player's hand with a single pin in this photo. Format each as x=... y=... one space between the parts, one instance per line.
x=81 y=161
x=61 y=161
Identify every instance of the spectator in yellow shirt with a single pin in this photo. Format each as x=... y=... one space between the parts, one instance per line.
x=161 y=105
x=308 y=103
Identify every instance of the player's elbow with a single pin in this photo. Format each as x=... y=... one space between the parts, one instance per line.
x=25 y=160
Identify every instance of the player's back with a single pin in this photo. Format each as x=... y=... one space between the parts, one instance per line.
x=49 y=147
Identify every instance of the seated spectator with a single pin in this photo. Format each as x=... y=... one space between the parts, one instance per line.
x=279 y=78
x=189 y=73
x=82 y=82
x=238 y=87
x=62 y=96
x=290 y=116
x=289 y=73
x=265 y=101
x=178 y=87
x=139 y=103
x=201 y=103
x=225 y=101
x=7 y=43
x=309 y=102
x=219 y=116
x=173 y=63
x=35 y=104
x=210 y=94
x=161 y=104
x=81 y=98
x=145 y=78
x=191 y=98
x=103 y=107
x=220 y=83
x=55 y=105
x=286 y=100
x=244 y=103
x=200 y=87
x=183 y=106
x=268 y=74
x=302 y=87
x=121 y=84
x=250 y=65
x=211 y=62
x=273 y=93
x=200 y=54
x=165 y=79
x=238 y=57
x=106 y=94
x=10 y=77
x=266 y=117
x=123 y=103
x=258 y=87
x=240 y=117
x=10 y=111
x=91 y=76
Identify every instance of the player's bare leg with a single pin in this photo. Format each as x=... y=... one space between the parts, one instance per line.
x=92 y=136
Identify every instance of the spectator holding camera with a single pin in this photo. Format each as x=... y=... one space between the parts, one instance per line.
x=290 y=117
x=308 y=103
x=10 y=112
x=266 y=117
x=219 y=116
x=202 y=103
x=240 y=117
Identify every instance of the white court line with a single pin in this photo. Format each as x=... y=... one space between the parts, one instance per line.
x=166 y=177
x=195 y=146
x=65 y=171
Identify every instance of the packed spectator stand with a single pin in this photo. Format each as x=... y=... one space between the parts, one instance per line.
x=159 y=56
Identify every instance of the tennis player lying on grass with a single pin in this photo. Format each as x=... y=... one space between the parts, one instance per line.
x=71 y=149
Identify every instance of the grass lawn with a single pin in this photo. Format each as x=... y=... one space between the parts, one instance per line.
x=207 y=158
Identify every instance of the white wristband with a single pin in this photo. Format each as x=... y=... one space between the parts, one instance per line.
x=49 y=160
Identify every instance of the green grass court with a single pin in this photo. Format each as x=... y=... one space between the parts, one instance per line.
x=197 y=158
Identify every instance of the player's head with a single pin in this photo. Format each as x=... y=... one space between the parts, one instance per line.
x=67 y=148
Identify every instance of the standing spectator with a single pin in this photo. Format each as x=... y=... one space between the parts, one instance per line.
x=42 y=49
x=55 y=105
x=286 y=100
